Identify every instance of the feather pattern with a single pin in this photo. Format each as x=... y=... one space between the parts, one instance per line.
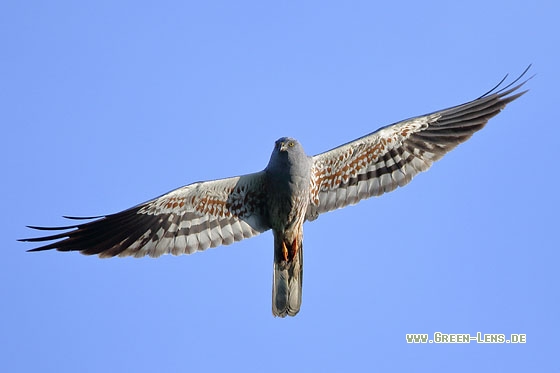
x=183 y=221
x=390 y=157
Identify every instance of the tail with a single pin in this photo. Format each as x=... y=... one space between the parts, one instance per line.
x=287 y=279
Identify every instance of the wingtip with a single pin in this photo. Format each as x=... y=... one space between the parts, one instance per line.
x=51 y=228
x=510 y=87
x=83 y=217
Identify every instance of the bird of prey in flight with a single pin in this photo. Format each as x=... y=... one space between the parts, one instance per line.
x=292 y=189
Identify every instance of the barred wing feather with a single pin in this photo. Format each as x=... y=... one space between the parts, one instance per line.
x=192 y=218
x=391 y=156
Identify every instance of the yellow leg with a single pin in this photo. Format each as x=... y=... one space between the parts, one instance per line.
x=295 y=248
x=284 y=251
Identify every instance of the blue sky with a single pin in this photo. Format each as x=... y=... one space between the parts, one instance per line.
x=106 y=105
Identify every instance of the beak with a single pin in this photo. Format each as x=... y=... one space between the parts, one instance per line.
x=282 y=146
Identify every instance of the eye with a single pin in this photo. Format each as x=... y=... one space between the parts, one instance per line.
x=291 y=144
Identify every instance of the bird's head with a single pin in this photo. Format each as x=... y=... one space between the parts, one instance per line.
x=288 y=152
x=286 y=144
x=289 y=148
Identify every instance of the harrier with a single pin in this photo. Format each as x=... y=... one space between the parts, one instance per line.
x=292 y=189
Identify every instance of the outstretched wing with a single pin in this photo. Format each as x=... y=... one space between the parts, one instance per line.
x=192 y=218
x=391 y=156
